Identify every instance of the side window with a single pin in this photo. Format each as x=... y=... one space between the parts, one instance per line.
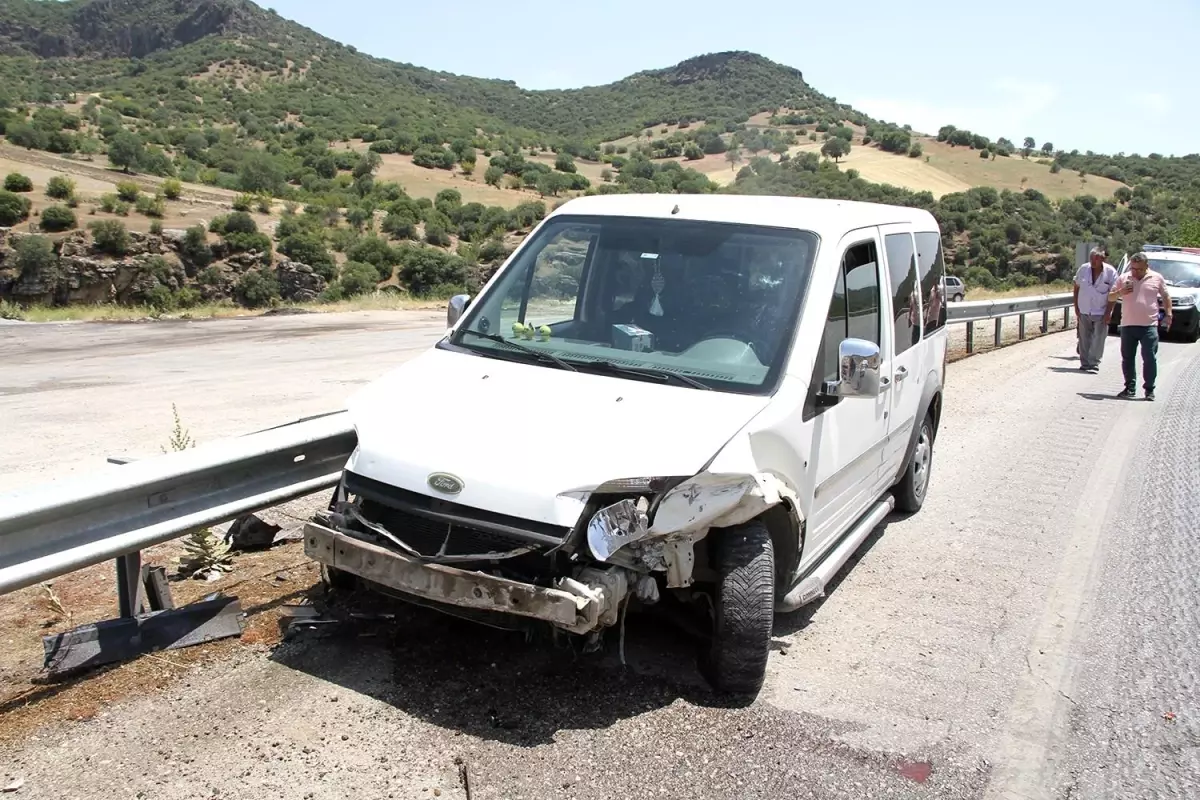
x=835 y=332
x=861 y=265
x=902 y=273
x=932 y=270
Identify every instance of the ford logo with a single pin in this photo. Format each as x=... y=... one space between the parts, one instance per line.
x=444 y=483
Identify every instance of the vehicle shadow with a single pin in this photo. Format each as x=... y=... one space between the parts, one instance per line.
x=796 y=621
x=497 y=684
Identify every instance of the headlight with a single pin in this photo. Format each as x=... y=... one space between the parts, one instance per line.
x=1183 y=301
x=637 y=485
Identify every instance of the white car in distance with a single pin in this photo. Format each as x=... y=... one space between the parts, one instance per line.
x=706 y=400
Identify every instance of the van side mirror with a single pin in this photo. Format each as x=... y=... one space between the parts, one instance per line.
x=859 y=362
x=455 y=308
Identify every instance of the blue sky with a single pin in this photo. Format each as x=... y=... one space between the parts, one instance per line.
x=1103 y=75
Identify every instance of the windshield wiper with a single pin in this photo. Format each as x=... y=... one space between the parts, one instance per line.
x=538 y=354
x=647 y=372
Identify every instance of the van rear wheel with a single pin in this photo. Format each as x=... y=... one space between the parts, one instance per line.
x=735 y=661
x=910 y=491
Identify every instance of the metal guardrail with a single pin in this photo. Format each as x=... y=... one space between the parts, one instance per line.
x=67 y=525
x=973 y=311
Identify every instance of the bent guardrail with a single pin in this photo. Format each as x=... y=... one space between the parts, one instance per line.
x=67 y=525
x=973 y=311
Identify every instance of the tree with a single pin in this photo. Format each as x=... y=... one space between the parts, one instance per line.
x=126 y=151
x=367 y=164
x=734 y=155
x=16 y=182
x=58 y=218
x=492 y=175
x=357 y=278
x=1030 y=143
x=35 y=257
x=13 y=209
x=110 y=236
x=835 y=148
x=1047 y=148
x=564 y=162
x=60 y=187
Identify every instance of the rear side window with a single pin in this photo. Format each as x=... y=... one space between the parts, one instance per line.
x=932 y=270
x=902 y=273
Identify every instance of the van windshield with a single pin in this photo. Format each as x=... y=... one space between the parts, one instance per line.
x=706 y=305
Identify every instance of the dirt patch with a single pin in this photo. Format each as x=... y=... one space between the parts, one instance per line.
x=262 y=581
x=101 y=178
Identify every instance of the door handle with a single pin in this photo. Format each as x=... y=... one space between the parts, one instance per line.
x=901 y=373
x=885 y=383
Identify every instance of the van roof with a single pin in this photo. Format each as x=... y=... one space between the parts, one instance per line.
x=830 y=219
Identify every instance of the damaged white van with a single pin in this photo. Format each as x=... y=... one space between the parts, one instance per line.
x=707 y=400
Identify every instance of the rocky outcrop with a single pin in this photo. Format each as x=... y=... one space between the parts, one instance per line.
x=298 y=282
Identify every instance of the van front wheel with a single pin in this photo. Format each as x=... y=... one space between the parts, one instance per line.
x=735 y=661
x=910 y=491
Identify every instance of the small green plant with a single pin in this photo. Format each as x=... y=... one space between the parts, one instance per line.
x=111 y=204
x=156 y=227
x=9 y=310
x=206 y=555
x=152 y=206
x=172 y=189
x=128 y=191
x=16 y=182
x=244 y=202
x=60 y=187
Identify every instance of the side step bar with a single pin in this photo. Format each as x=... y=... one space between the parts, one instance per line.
x=813 y=587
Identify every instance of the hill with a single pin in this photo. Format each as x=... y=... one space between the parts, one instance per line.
x=224 y=102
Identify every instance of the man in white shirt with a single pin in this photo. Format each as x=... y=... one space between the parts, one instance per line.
x=1093 y=282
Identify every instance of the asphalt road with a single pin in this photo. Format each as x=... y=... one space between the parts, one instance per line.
x=1032 y=633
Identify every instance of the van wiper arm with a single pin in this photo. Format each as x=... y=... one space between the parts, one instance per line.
x=538 y=354
x=649 y=372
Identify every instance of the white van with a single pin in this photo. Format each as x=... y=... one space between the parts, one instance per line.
x=706 y=400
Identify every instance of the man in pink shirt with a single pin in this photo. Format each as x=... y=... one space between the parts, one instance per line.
x=1140 y=289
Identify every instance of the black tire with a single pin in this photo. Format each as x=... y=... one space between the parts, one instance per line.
x=1193 y=335
x=735 y=660
x=911 y=490
x=958 y=298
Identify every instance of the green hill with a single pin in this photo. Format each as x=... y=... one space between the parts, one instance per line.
x=228 y=95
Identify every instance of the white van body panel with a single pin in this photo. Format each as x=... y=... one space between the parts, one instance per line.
x=549 y=436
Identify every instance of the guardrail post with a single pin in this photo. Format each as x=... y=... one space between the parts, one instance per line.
x=970 y=337
x=999 y=330
x=131 y=593
x=1021 y=327
x=1066 y=317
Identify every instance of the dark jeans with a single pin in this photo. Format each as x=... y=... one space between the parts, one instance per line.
x=1147 y=337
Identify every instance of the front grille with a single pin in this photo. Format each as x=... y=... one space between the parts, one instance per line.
x=427 y=524
x=427 y=536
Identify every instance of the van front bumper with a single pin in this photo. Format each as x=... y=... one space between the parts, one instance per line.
x=588 y=601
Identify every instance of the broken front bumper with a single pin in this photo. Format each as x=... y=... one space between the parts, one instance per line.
x=589 y=600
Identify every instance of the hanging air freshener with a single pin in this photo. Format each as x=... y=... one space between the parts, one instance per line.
x=657 y=283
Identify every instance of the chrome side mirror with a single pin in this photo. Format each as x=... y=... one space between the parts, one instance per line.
x=858 y=370
x=455 y=308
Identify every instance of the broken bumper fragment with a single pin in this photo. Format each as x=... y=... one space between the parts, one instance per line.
x=578 y=604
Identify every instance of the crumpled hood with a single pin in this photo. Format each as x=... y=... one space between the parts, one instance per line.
x=522 y=437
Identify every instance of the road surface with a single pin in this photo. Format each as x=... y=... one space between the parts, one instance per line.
x=1032 y=633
